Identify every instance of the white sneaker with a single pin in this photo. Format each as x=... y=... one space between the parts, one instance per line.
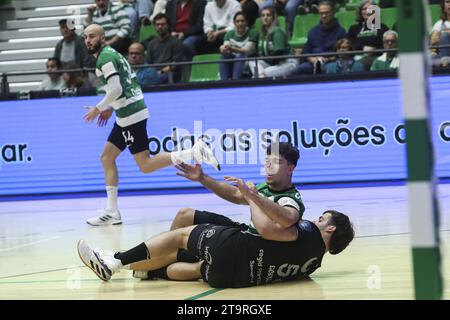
x=101 y=262
x=203 y=153
x=143 y=275
x=107 y=217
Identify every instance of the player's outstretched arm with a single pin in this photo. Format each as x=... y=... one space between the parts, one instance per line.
x=222 y=189
x=284 y=216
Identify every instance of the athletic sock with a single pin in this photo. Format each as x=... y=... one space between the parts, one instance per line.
x=136 y=254
x=111 y=192
x=160 y=273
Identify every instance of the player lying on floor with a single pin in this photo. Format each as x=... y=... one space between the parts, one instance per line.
x=280 y=198
x=232 y=257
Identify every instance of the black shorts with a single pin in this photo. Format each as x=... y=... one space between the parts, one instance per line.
x=216 y=245
x=203 y=217
x=134 y=137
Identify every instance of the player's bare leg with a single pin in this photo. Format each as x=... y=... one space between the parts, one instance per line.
x=109 y=215
x=184 y=218
x=199 y=153
x=108 y=159
x=184 y=271
x=147 y=164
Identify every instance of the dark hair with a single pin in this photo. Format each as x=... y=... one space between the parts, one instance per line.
x=341 y=41
x=328 y=3
x=63 y=22
x=344 y=232
x=160 y=16
x=57 y=61
x=443 y=14
x=358 y=11
x=240 y=13
x=286 y=150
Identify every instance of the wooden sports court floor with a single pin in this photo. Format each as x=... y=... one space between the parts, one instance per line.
x=38 y=257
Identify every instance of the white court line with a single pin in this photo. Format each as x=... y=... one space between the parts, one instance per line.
x=3 y=238
x=31 y=243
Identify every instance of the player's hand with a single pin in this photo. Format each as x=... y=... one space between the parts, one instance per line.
x=103 y=117
x=193 y=173
x=211 y=36
x=91 y=114
x=246 y=189
x=251 y=186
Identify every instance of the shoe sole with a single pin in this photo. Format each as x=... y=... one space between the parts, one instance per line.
x=88 y=264
x=104 y=224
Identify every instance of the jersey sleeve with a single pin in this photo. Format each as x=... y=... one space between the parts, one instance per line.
x=108 y=67
x=253 y=36
x=279 y=41
x=228 y=36
x=288 y=202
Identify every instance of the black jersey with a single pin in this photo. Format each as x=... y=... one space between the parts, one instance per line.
x=266 y=261
x=236 y=257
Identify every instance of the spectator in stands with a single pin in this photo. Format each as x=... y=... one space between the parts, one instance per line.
x=275 y=43
x=159 y=7
x=165 y=48
x=186 y=23
x=321 y=38
x=284 y=7
x=344 y=62
x=72 y=47
x=139 y=13
x=115 y=22
x=312 y=6
x=54 y=80
x=75 y=79
x=251 y=11
x=440 y=35
x=308 y=6
x=241 y=42
x=388 y=60
x=146 y=75
x=217 y=21
x=365 y=37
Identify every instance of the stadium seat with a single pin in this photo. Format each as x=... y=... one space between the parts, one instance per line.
x=146 y=32
x=205 y=72
x=389 y=16
x=352 y=4
x=302 y=25
x=435 y=12
x=346 y=19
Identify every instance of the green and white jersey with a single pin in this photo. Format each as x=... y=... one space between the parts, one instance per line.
x=285 y=198
x=130 y=107
x=234 y=40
